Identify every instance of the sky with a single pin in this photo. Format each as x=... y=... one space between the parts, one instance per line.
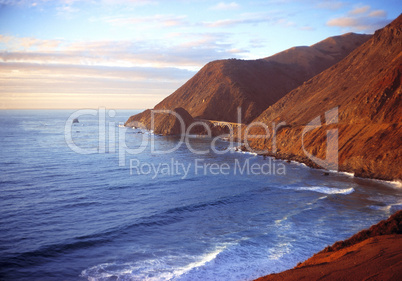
x=71 y=54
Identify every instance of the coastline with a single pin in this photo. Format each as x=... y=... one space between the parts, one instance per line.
x=394 y=183
x=371 y=254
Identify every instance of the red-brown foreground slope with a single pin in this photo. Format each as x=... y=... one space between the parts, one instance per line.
x=220 y=87
x=372 y=254
x=366 y=87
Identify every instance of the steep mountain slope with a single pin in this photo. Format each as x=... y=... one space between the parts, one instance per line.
x=366 y=88
x=372 y=254
x=220 y=87
x=173 y=122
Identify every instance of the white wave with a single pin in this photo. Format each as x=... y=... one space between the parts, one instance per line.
x=194 y=136
x=342 y=173
x=347 y=174
x=391 y=208
x=394 y=184
x=299 y=164
x=279 y=251
x=154 y=269
x=238 y=149
x=103 y=271
x=327 y=190
x=201 y=262
x=277 y=222
x=250 y=153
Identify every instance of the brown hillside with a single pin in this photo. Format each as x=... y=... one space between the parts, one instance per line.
x=220 y=87
x=366 y=88
x=372 y=254
x=175 y=122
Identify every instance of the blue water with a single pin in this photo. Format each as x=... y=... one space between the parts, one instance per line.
x=71 y=216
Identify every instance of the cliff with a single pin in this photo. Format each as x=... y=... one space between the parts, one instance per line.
x=365 y=88
x=220 y=87
x=175 y=122
x=372 y=254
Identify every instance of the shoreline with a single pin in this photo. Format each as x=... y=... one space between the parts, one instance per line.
x=397 y=184
x=374 y=253
x=394 y=183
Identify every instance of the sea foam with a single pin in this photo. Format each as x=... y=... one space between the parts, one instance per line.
x=327 y=190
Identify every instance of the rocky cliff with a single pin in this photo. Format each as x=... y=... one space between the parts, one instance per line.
x=372 y=254
x=172 y=122
x=366 y=90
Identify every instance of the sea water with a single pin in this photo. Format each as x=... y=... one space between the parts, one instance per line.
x=112 y=214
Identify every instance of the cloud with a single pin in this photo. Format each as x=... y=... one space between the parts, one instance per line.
x=158 y=20
x=103 y=72
x=378 y=13
x=191 y=51
x=360 y=10
x=250 y=18
x=331 y=5
x=29 y=3
x=361 y=19
x=225 y=22
x=130 y=2
x=222 y=6
x=308 y=28
x=151 y=68
x=238 y=51
x=25 y=43
x=22 y=84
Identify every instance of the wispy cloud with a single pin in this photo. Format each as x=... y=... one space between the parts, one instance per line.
x=360 y=10
x=308 y=28
x=34 y=85
x=249 y=18
x=361 y=19
x=28 y=3
x=25 y=43
x=331 y=5
x=130 y=2
x=192 y=51
x=378 y=13
x=30 y=65
x=222 y=6
x=158 y=20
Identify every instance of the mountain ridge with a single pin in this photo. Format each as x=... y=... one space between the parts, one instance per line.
x=220 y=87
x=365 y=87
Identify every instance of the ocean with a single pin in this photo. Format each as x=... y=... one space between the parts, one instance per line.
x=96 y=201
